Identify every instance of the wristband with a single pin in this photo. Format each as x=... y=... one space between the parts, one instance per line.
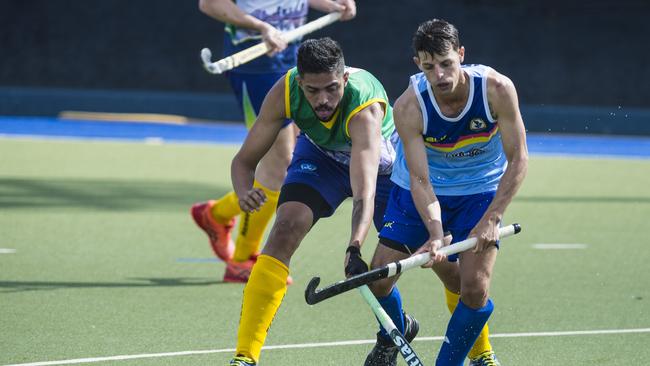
x=353 y=250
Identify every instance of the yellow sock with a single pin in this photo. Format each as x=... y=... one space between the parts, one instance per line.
x=226 y=208
x=252 y=226
x=262 y=297
x=482 y=343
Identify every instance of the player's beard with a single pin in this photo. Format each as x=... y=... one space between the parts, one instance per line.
x=324 y=108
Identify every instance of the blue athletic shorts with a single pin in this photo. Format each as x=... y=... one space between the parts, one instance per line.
x=250 y=90
x=331 y=179
x=402 y=223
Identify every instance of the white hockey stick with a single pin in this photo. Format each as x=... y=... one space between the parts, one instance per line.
x=314 y=295
x=260 y=49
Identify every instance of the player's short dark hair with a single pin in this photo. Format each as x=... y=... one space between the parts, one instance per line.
x=323 y=55
x=436 y=37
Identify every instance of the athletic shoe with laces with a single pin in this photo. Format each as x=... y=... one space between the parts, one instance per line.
x=242 y=361
x=240 y=272
x=385 y=351
x=487 y=358
x=219 y=234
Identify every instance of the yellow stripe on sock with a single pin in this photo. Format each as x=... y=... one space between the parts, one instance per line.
x=253 y=225
x=482 y=343
x=262 y=298
x=226 y=208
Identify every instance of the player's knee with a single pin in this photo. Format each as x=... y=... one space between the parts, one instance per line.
x=474 y=295
x=285 y=236
x=381 y=288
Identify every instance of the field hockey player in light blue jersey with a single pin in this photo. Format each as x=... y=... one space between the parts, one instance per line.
x=461 y=159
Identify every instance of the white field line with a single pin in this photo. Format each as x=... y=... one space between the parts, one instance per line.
x=325 y=344
x=547 y=246
x=7 y=251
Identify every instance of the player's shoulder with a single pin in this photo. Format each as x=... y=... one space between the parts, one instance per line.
x=351 y=70
x=498 y=84
x=363 y=86
x=407 y=105
x=406 y=100
x=361 y=76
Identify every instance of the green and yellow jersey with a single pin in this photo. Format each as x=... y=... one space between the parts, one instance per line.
x=333 y=136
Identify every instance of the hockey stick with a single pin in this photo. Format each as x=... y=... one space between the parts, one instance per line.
x=402 y=344
x=260 y=49
x=314 y=295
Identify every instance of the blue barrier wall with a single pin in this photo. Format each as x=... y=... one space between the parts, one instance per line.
x=579 y=66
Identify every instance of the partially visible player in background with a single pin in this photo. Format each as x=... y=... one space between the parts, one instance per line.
x=248 y=22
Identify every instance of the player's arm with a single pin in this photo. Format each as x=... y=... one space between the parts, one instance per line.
x=504 y=105
x=261 y=136
x=408 y=120
x=365 y=133
x=227 y=11
x=347 y=8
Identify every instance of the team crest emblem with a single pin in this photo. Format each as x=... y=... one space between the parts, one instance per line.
x=477 y=124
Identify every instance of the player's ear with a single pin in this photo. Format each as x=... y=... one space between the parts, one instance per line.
x=346 y=76
x=461 y=54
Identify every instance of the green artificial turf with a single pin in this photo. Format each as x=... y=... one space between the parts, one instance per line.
x=108 y=262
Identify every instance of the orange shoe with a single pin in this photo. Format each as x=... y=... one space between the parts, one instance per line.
x=219 y=234
x=240 y=272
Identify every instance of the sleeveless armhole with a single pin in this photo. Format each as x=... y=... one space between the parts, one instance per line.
x=486 y=102
x=287 y=94
x=360 y=108
x=423 y=108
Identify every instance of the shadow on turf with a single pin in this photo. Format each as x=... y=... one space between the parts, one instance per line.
x=109 y=195
x=125 y=195
x=20 y=286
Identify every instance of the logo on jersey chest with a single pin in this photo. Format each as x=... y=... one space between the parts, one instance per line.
x=477 y=124
x=308 y=167
x=431 y=139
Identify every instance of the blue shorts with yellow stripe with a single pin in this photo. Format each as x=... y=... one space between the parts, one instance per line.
x=250 y=90
x=404 y=230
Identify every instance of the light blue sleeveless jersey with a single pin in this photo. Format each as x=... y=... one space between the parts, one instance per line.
x=465 y=154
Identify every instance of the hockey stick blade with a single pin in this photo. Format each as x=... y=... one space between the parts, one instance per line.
x=314 y=296
x=206 y=57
